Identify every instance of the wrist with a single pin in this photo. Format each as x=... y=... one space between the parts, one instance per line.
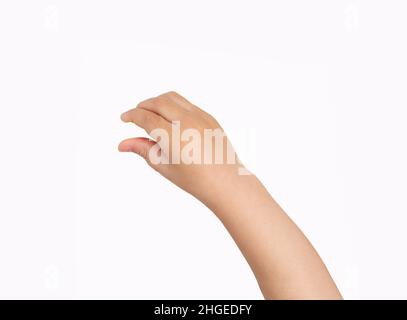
x=233 y=194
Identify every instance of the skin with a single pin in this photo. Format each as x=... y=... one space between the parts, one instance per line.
x=284 y=262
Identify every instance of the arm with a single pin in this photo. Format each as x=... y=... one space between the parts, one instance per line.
x=284 y=262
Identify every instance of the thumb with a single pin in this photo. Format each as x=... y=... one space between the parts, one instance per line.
x=141 y=146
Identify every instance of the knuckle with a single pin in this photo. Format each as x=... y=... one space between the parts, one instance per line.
x=140 y=104
x=159 y=100
x=143 y=153
x=146 y=103
x=172 y=94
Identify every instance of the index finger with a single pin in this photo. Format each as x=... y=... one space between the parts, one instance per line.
x=145 y=119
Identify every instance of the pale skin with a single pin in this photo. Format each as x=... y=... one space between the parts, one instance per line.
x=284 y=262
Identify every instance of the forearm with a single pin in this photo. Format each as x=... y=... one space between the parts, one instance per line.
x=283 y=260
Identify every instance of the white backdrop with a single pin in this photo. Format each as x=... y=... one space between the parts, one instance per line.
x=322 y=84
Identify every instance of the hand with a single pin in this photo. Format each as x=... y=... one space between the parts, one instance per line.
x=284 y=262
x=189 y=147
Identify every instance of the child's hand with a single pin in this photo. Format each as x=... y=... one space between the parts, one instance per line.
x=180 y=150
x=283 y=261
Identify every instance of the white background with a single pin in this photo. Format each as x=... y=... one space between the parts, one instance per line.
x=321 y=83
